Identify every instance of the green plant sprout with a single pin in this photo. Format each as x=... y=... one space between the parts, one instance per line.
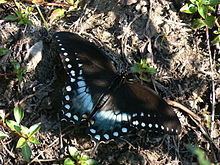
x=144 y=69
x=21 y=15
x=26 y=135
x=206 y=10
x=217 y=38
x=3 y=51
x=200 y=154
x=78 y=158
x=19 y=71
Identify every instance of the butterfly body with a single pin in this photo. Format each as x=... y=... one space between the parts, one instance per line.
x=112 y=103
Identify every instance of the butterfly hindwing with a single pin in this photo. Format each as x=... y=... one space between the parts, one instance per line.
x=133 y=106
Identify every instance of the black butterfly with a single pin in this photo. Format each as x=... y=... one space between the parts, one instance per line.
x=112 y=103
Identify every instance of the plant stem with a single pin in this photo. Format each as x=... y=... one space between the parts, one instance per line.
x=41 y=15
x=213 y=82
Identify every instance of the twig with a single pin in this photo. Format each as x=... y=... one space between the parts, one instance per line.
x=26 y=98
x=36 y=158
x=126 y=34
x=41 y=15
x=6 y=149
x=213 y=83
x=49 y=160
x=60 y=134
x=207 y=136
x=180 y=106
x=7 y=74
x=195 y=118
x=57 y=4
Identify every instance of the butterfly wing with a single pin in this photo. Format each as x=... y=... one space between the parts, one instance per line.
x=94 y=91
x=131 y=106
x=89 y=75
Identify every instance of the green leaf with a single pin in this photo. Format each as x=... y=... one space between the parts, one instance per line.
x=21 y=15
x=3 y=135
x=203 y=11
x=28 y=10
x=91 y=162
x=4 y=51
x=135 y=68
x=198 y=2
x=26 y=152
x=68 y=161
x=57 y=14
x=210 y=21
x=25 y=21
x=33 y=140
x=210 y=2
x=21 y=142
x=143 y=67
x=17 y=128
x=151 y=70
x=18 y=114
x=20 y=71
x=33 y=129
x=216 y=40
x=11 y=124
x=193 y=1
x=189 y=8
x=217 y=31
x=73 y=151
x=24 y=131
x=3 y=1
x=211 y=9
x=198 y=23
x=84 y=157
x=200 y=155
x=16 y=65
x=11 y=18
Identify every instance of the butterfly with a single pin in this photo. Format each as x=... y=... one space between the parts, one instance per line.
x=112 y=103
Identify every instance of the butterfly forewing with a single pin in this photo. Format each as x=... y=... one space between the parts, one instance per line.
x=89 y=74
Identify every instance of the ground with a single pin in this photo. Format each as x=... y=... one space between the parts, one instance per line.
x=187 y=74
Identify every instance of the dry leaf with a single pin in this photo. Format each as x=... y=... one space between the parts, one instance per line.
x=56 y=14
x=34 y=56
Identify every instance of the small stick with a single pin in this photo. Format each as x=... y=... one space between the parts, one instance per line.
x=213 y=83
x=6 y=149
x=195 y=118
x=178 y=105
x=41 y=152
